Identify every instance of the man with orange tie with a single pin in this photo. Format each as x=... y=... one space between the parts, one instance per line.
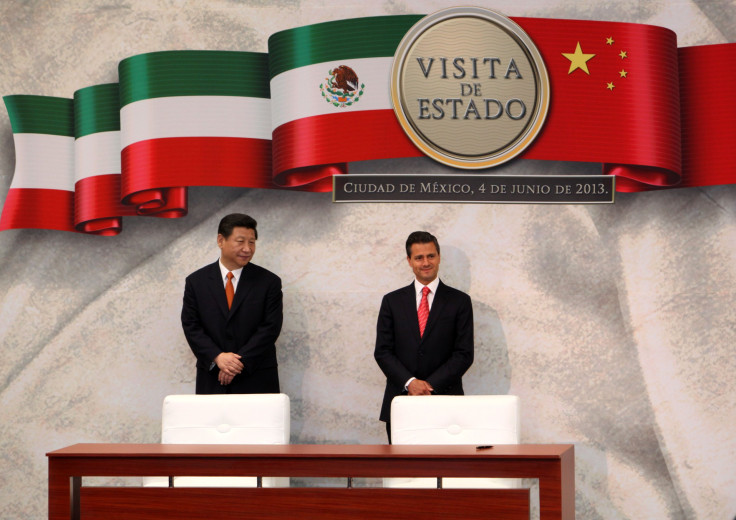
x=232 y=315
x=424 y=336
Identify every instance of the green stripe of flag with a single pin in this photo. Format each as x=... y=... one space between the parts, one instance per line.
x=40 y=115
x=193 y=73
x=97 y=109
x=371 y=37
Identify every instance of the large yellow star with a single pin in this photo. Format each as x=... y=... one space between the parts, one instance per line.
x=578 y=59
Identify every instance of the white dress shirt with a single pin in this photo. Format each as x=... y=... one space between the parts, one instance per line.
x=236 y=276
x=432 y=289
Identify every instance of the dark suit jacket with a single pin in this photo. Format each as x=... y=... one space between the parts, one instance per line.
x=249 y=328
x=440 y=357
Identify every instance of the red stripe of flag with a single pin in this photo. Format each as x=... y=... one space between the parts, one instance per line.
x=38 y=209
x=149 y=167
x=329 y=141
x=97 y=206
x=707 y=89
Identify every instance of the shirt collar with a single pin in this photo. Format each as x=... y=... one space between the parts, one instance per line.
x=432 y=285
x=224 y=270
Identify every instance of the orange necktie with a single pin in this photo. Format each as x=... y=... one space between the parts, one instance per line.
x=229 y=290
x=423 y=310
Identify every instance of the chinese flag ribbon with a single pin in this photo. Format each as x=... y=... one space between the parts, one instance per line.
x=614 y=98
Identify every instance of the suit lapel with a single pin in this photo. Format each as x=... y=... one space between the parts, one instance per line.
x=410 y=305
x=438 y=304
x=217 y=287
x=245 y=285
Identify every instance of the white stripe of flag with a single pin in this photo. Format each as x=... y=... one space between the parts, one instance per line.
x=296 y=94
x=43 y=161
x=97 y=154
x=195 y=116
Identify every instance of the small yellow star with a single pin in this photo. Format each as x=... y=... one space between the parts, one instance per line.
x=623 y=54
x=609 y=40
x=623 y=73
x=610 y=86
x=578 y=59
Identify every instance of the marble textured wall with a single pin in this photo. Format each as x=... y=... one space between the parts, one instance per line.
x=614 y=324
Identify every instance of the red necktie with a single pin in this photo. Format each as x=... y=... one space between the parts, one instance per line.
x=229 y=290
x=423 y=311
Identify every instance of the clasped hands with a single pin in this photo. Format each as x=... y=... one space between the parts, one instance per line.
x=419 y=387
x=230 y=366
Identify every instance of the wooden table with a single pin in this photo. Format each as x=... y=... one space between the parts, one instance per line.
x=553 y=465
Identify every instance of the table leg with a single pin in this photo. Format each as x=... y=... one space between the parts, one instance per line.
x=74 y=498
x=550 y=499
x=60 y=492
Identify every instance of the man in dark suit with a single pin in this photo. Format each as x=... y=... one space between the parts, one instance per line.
x=232 y=315
x=424 y=336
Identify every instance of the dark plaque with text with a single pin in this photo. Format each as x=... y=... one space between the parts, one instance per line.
x=568 y=189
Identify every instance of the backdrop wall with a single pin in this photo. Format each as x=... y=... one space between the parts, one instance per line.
x=615 y=324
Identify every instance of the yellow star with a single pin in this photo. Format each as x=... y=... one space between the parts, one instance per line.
x=623 y=54
x=623 y=73
x=610 y=86
x=609 y=40
x=578 y=59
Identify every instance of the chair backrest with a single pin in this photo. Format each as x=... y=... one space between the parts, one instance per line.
x=455 y=419
x=226 y=419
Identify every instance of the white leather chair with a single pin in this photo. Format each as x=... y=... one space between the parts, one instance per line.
x=455 y=419
x=224 y=419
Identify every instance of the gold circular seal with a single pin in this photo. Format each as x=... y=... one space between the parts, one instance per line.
x=469 y=87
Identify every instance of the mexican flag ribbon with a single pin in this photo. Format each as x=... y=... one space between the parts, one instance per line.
x=316 y=131
x=192 y=118
x=97 y=205
x=622 y=95
x=41 y=194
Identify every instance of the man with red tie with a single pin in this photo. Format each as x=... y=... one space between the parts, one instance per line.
x=424 y=336
x=232 y=315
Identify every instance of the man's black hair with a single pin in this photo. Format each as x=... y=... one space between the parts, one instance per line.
x=421 y=237
x=230 y=222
